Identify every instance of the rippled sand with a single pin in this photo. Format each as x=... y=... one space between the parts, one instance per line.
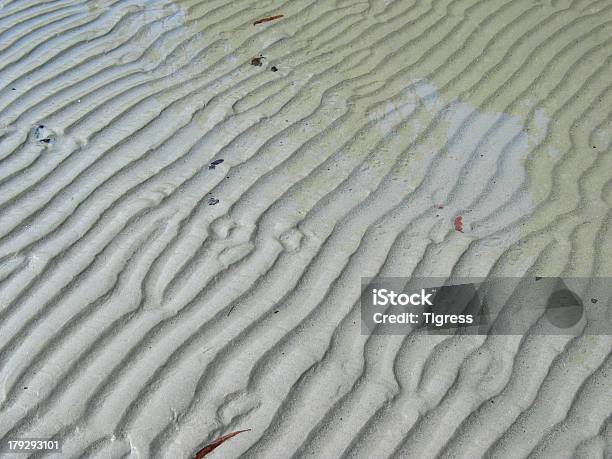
x=151 y=301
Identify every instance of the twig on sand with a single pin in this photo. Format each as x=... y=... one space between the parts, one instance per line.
x=208 y=448
x=268 y=19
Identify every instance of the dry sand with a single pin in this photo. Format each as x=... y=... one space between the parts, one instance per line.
x=150 y=303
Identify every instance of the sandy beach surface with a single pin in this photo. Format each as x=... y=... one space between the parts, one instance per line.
x=190 y=199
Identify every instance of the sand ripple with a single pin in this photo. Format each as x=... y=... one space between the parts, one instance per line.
x=151 y=301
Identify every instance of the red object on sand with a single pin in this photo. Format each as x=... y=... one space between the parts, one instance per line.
x=208 y=448
x=458 y=223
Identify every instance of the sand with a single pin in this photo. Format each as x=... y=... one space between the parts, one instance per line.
x=152 y=301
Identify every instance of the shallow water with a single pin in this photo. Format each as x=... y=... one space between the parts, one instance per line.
x=151 y=302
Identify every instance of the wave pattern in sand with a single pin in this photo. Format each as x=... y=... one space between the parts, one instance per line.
x=151 y=301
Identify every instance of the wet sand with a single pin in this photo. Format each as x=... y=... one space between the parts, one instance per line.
x=154 y=297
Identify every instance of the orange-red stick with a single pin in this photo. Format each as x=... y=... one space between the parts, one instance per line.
x=208 y=448
x=271 y=18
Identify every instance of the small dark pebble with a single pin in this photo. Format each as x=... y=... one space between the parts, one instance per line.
x=538 y=278
x=274 y=68
x=275 y=312
x=215 y=163
x=45 y=140
x=212 y=201
x=13 y=89
x=257 y=61
x=593 y=300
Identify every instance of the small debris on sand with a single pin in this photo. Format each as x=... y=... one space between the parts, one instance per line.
x=42 y=134
x=257 y=61
x=210 y=447
x=274 y=68
x=268 y=19
x=459 y=224
x=212 y=201
x=215 y=163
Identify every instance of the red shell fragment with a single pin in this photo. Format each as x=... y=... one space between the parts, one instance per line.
x=459 y=223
